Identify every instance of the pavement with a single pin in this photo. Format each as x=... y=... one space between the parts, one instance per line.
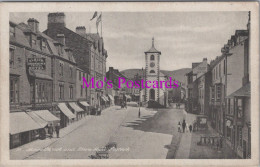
x=188 y=148
x=152 y=136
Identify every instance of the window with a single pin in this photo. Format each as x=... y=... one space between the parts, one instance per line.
x=152 y=57
x=79 y=75
x=43 y=44
x=218 y=92
x=228 y=133
x=11 y=57
x=216 y=72
x=36 y=92
x=213 y=93
x=61 y=91
x=239 y=136
x=213 y=76
x=14 y=90
x=219 y=70
x=81 y=91
x=39 y=93
x=239 y=108
x=71 y=92
x=71 y=72
x=34 y=41
x=61 y=69
x=152 y=71
x=224 y=67
x=11 y=31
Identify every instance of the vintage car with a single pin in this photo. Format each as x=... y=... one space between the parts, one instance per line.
x=200 y=123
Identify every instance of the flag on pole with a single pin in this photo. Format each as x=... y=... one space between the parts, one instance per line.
x=95 y=15
x=98 y=19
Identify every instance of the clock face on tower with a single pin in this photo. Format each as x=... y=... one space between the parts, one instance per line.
x=152 y=64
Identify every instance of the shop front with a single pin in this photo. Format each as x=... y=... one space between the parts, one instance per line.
x=85 y=106
x=66 y=115
x=23 y=129
x=79 y=112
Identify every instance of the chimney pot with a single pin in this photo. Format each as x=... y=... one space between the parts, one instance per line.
x=33 y=24
x=81 y=30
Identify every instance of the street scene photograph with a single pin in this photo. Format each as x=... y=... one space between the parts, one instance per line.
x=129 y=85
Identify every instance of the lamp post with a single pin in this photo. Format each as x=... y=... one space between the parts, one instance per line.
x=140 y=78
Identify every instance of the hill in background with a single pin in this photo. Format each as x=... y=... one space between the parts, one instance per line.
x=175 y=74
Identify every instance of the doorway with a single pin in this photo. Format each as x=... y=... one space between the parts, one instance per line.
x=152 y=94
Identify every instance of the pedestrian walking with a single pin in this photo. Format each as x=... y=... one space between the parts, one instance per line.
x=221 y=142
x=51 y=130
x=190 y=127
x=179 y=127
x=187 y=127
x=183 y=126
x=57 y=129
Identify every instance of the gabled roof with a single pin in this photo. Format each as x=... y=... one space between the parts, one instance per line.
x=244 y=91
x=194 y=65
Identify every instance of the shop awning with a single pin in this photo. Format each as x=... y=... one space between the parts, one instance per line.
x=242 y=92
x=111 y=97
x=128 y=97
x=46 y=115
x=106 y=98
x=75 y=107
x=103 y=98
x=66 y=110
x=39 y=75
x=84 y=103
x=22 y=122
x=37 y=119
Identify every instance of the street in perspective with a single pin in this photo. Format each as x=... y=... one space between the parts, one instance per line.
x=130 y=85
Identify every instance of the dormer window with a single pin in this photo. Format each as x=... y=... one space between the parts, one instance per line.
x=43 y=44
x=34 y=41
x=12 y=31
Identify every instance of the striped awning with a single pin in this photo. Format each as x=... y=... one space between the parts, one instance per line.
x=22 y=122
x=84 y=103
x=66 y=111
x=75 y=107
x=37 y=119
x=46 y=115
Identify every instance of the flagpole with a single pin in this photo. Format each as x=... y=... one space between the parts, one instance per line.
x=101 y=24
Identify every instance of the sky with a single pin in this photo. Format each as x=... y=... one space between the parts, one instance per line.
x=182 y=37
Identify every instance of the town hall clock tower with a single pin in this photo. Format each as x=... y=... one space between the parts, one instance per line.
x=152 y=73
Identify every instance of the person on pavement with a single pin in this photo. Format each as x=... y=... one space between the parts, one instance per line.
x=183 y=126
x=187 y=127
x=51 y=130
x=57 y=129
x=179 y=127
x=190 y=127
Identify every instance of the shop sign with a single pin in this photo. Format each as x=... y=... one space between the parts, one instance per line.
x=36 y=63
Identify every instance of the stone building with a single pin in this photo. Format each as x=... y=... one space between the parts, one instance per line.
x=196 y=85
x=238 y=112
x=42 y=82
x=88 y=50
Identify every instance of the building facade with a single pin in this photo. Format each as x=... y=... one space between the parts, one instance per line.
x=153 y=75
x=88 y=50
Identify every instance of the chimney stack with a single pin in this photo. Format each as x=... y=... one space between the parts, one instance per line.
x=33 y=24
x=56 y=19
x=81 y=30
x=61 y=38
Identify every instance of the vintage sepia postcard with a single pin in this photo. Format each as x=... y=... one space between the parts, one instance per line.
x=151 y=83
